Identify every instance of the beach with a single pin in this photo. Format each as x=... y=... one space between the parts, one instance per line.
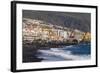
x=32 y=53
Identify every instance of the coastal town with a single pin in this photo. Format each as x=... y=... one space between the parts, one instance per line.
x=38 y=35
x=55 y=36
x=42 y=32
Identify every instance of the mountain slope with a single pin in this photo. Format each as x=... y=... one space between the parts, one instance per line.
x=80 y=21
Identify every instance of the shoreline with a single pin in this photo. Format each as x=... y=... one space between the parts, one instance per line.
x=30 y=51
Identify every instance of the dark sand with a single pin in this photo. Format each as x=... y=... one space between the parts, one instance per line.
x=29 y=53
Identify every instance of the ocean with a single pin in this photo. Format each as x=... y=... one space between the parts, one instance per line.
x=71 y=52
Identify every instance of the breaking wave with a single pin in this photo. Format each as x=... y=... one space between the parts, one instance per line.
x=55 y=54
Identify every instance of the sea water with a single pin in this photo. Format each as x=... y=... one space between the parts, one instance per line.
x=71 y=52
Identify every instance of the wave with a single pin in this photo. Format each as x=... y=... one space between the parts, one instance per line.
x=56 y=54
x=65 y=47
x=69 y=46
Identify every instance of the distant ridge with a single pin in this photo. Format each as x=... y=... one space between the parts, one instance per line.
x=80 y=21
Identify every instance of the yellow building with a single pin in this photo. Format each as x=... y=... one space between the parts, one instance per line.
x=86 y=36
